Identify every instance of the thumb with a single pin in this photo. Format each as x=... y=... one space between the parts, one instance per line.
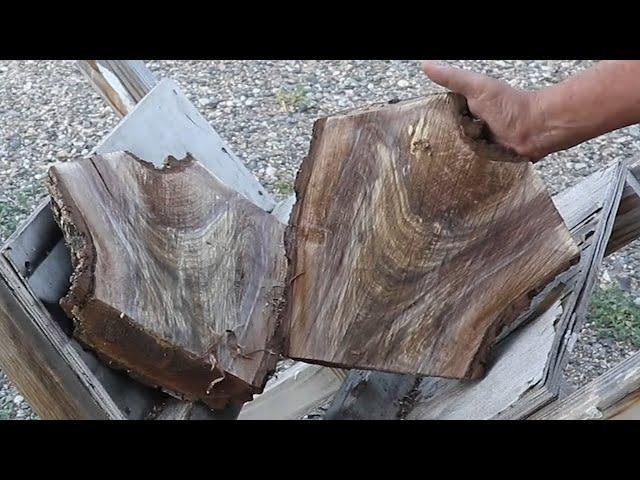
x=455 y=79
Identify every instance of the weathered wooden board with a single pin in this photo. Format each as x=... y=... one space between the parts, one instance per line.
x=121 y=83
x=177 y=278
x=174 y=409
x=410 y=249
x=576 y=306
x=282 y=210
x=613 y=394
x=292 y=394
x=627 y=224
x=49 y=372
x=370 y=395
x=487 y=397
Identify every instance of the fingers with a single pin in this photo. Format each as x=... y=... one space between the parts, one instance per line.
x=455 y=79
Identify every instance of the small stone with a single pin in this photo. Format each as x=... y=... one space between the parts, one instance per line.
x=204 y=102
x=637 y=301
x=403 y=83
x=14 y=143
x=18 y=399
x=249 y=102
x=579 y=165
x=270 y=172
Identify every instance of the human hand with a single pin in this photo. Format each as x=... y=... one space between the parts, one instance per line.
x=511 y=115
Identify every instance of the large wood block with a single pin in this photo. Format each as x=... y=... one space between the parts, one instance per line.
x=177 y=278
x=414 y=241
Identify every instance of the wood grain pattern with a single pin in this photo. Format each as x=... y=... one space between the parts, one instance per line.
x=39 y=273
x=410 y=248
x=175 y=275
x=505 y=380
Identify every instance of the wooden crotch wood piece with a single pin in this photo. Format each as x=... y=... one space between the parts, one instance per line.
x=177 y=278
x=410 y=246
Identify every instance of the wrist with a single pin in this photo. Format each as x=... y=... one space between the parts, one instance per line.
x=534 y=138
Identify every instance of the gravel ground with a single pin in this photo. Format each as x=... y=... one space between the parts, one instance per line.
x=265 y=110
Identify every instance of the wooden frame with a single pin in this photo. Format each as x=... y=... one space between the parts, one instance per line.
x=613 y=395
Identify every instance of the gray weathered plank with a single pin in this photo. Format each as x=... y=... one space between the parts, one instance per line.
x=607 y=396
x=590 y=265
x=41 y=360
x=370 y=395
x=292 y=394
x=121 y=83
x=165 y=123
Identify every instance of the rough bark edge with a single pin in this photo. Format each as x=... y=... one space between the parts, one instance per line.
x=300 y=186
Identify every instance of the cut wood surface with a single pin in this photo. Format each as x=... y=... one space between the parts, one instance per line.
x=504 y=382
x=531 y=360
x=176 y=277
x=302 y=387
x=410 y=249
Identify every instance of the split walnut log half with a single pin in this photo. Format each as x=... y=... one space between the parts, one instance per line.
x=410 y=248
x=177 y=278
